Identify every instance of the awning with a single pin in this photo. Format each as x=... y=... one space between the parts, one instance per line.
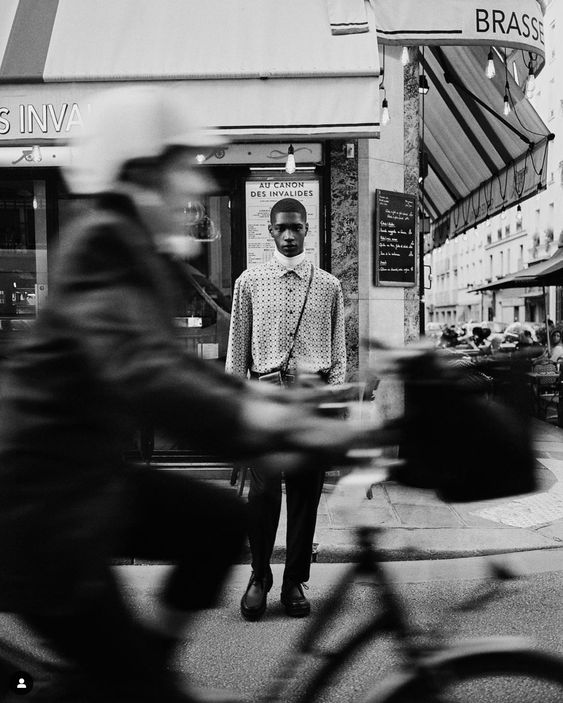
x=256 y=69
x=513 y=25
x=552 y=275
x=264 y=69
x=480 y=161
x=541 y=273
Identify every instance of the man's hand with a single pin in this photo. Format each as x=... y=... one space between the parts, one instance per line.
x=290 y=435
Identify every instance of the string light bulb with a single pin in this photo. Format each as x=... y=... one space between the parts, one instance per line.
x=531 y=80
x=385 y=118
x=422 y=84
x=519 y=214
x=405 y=56
x=506 y=108
x=490 y=70
x=530 y=83
x=290 y=163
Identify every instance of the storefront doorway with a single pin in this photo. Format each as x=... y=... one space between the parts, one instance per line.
x=28 y=223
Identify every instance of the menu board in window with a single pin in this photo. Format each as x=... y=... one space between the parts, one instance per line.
x=395 y=239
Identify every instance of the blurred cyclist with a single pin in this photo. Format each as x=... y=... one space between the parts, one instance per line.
x=103 y=359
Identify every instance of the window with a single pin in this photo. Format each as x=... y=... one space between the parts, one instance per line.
x=24 y=218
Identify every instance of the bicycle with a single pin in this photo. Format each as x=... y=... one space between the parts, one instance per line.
x=433 y=669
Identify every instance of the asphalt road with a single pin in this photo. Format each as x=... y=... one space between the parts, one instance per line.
x=224 y=651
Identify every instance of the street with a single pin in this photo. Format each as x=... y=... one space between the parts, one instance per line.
x=223 y=651
x=226 y=652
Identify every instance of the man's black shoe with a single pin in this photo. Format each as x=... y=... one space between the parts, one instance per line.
x=294 y=601
x=253 y=602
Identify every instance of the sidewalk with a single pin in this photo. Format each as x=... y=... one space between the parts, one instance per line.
x=415 y=519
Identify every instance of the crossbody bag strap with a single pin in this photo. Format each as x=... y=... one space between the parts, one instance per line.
x=285 y=364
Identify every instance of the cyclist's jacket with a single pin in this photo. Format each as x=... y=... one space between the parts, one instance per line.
x=102 y=358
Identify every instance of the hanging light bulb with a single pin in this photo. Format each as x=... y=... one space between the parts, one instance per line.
x=290 y=163
x=531 y=80
x=503 y=214
x=506 y=108
x=405 y=56
x=530 y=83
x=519 y=214
x=385 y=112
x=490 y=70
x=422 y=84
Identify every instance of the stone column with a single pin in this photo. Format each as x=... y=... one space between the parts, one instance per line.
x=388 y=314
x=411 y=152
x=344 y=239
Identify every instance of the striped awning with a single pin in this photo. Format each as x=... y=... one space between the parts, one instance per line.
x=539 y=273
x=515 y=26
x=262 y=69
x=254 y=68
x=479 y=160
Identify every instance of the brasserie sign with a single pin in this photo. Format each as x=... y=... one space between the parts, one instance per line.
x=39 y=120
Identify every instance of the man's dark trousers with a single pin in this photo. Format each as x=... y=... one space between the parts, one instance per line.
x=303 y=492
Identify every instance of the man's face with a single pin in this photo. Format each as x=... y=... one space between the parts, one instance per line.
x=288 y=231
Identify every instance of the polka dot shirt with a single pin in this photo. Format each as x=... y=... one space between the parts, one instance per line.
x=267 y=302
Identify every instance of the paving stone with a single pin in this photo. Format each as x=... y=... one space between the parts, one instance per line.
x=370 y=515
x=420 y=516
x=553 y=531
x=411 y=496
x=530 y=511
x=470 y=517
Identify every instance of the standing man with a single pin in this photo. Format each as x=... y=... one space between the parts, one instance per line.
x=286 y=314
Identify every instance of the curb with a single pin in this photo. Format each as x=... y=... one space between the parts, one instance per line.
x=348 y=553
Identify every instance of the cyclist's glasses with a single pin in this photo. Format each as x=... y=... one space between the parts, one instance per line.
x=198 y=224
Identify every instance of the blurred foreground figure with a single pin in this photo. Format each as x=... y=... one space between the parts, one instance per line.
x=103 y=359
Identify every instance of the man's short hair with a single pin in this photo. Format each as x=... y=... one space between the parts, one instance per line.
x=288 y=205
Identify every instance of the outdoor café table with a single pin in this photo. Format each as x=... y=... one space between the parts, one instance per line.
x=542 y=382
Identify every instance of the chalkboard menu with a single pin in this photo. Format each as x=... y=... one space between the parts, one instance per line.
x=395 y=239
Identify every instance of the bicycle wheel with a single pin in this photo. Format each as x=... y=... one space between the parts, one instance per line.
x=525 y=676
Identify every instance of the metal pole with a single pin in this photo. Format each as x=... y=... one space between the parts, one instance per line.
x=546 y=318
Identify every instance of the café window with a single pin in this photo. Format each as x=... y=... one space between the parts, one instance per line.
x=23 y=256
x=202 y=314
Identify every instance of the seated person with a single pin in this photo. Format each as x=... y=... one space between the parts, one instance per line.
x=556 y=346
